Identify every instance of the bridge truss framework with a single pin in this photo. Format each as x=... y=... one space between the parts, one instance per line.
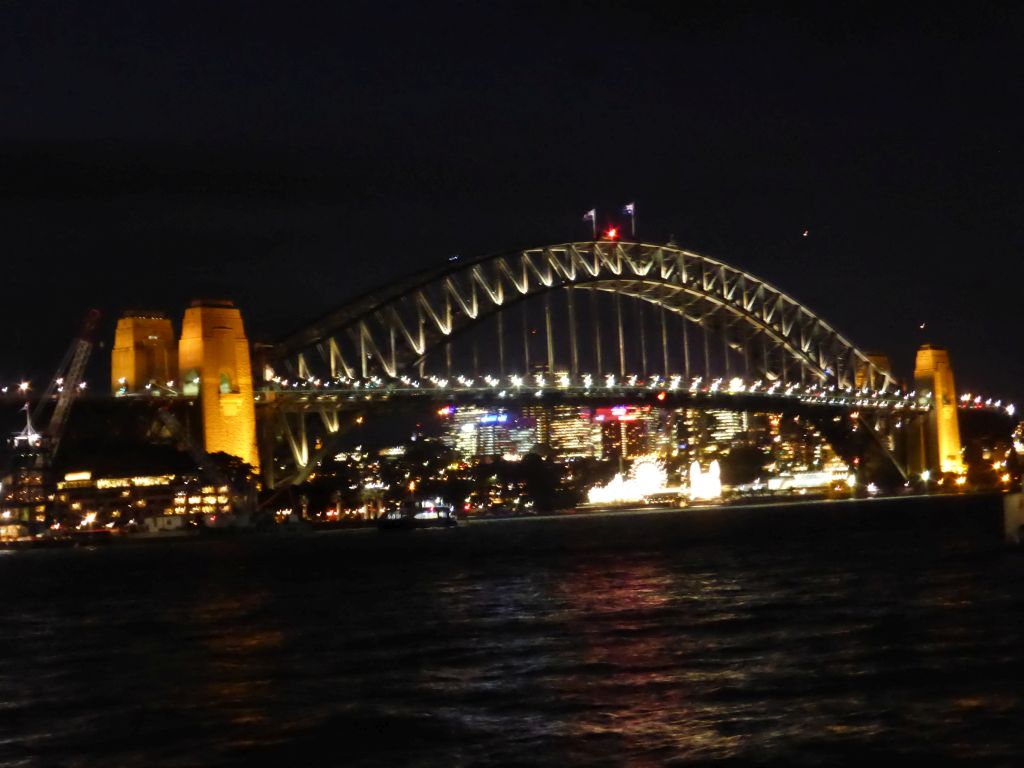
x=393 y=331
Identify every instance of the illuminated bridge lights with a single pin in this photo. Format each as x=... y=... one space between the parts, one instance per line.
x=655 y=387
x=588 y=386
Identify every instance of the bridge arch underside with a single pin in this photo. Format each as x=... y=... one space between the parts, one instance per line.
x=598 y=308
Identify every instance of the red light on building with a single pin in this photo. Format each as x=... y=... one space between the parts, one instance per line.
x=617 y=413
x=612 y=233
x=661 y=395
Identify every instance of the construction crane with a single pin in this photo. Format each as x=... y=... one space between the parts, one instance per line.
x=66 y=384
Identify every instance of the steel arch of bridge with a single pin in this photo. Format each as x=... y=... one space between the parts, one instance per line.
x=394 y=329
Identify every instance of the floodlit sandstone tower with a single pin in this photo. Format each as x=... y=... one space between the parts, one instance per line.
x=214 y=364
x=936 y=447
x=144 y=350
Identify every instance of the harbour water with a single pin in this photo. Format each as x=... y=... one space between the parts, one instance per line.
x=817 y=635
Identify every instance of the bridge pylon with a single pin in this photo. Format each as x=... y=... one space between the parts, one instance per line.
x=214 y=363
x=934 y=443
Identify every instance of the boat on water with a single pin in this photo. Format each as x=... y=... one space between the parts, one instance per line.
x=419 y=513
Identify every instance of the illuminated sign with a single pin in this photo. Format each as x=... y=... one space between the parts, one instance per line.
x=618 y=413
x=494 y=418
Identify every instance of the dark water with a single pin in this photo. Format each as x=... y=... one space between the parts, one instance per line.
x=816 y=636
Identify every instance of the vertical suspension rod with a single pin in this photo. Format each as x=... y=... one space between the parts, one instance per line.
x=501 y=345
x=664 y=343
x=549 y=333
x=643 y=337
x=764 y=356
x=686 y=348
x=707 y=350
x=394 y=351
x=526 y=341
x=622 y=338
x=422 y=340
x=574 y=358
x=448 y=344
x=725 y=348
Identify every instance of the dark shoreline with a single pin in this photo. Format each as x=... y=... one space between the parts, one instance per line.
x=975 y=516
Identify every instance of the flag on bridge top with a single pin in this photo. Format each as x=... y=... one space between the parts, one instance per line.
x=630 y=210
x=591 y=216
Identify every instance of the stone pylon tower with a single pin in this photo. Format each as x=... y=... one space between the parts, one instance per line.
x=144 y=351
x=214 y=363
x=936 y=446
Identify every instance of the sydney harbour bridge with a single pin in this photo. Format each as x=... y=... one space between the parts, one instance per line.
x=593 y=323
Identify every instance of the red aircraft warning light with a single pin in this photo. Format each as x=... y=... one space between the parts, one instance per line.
x=612 y=233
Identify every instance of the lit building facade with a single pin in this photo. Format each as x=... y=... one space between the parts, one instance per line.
x=537 y=418
x=477 y=432
x=572 y=434
x=140 y=497
x=728 y=426
x=626 y=431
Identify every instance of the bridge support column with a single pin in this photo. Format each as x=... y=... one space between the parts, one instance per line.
x=936 y=444
x=214 y=363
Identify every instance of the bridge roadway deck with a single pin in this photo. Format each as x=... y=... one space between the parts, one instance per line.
x=599 y=396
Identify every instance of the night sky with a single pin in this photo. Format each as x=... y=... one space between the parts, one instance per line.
x=292 y=155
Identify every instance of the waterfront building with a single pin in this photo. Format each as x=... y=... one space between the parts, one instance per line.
x=115 y=498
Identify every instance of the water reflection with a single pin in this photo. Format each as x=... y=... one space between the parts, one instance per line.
x=638 y=657
x=565 y=647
